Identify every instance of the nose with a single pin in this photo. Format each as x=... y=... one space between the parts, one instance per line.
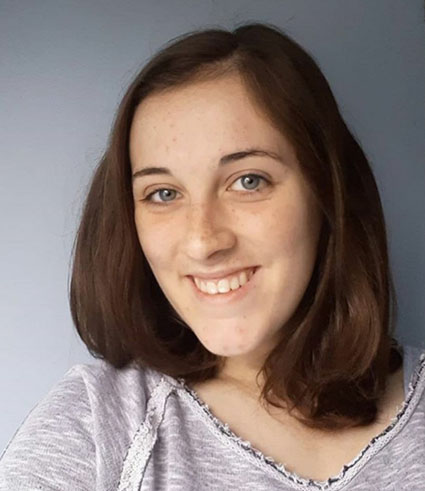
x=208 y=231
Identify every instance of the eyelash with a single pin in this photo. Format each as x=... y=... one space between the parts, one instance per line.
x=148 y=198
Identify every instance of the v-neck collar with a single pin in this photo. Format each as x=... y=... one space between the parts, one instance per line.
x=348 y=471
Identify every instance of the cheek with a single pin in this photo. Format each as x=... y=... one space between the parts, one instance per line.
x=149 y=237
x=286 y=230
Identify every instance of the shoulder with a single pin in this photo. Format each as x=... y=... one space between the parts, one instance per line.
x=413 y=409
x=79 y=432
x=413 y=365
x=96 y=391
x=104 y=385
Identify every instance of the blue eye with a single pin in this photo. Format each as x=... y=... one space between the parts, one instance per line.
x=161 y=193
x=252 y=177
x=246 y=178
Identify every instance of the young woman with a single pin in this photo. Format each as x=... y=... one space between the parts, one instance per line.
x=231 y=273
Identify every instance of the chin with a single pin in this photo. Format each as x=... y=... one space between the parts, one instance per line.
x=232 y=347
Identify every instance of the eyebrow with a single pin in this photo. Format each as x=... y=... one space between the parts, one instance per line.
x=226 y=159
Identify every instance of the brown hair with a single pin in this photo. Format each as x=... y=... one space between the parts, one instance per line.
x=337 y=350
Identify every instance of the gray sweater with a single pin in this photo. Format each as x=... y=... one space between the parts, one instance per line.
x=102 y=429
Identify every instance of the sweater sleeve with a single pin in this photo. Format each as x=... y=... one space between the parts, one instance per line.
x=53 y=449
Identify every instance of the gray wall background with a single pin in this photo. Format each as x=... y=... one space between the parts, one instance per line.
x=65 y=66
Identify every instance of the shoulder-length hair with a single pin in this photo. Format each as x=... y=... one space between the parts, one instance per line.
x=337 y=350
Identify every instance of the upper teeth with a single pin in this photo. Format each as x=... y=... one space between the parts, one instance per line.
x=225 y=284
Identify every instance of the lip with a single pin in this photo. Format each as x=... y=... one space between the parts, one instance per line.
x=221 y=274
x=225 y=298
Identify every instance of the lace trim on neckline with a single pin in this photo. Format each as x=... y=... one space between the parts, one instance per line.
x=349 y=470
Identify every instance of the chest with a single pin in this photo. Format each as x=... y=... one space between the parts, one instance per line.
x=308 y=453
x=305 y=453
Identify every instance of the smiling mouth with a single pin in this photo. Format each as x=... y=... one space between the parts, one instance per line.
x=210 y=289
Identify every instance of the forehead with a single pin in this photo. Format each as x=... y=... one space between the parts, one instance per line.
x=203 y=118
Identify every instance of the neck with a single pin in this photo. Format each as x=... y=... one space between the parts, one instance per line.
x=243 y=372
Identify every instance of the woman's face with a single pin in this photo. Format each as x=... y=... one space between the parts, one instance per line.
x=209 y=218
